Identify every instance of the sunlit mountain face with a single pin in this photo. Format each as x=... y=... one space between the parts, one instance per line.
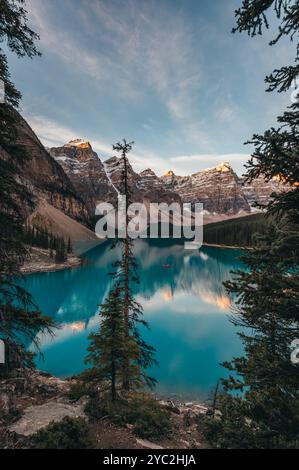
x=184 y=302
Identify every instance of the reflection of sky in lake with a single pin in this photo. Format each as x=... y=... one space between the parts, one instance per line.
x=185 y=304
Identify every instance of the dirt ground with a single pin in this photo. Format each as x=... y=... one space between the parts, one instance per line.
x=39 y=260
x=31 y=403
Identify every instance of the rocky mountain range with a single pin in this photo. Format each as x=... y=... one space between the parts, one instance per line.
x=98 y=181
x=45 y=177
x=68 y=182
x=56 y=203
x=219 y=189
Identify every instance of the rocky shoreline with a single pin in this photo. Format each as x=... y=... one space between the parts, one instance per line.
x=227 y=247
x=39 y=261
x=30 y=402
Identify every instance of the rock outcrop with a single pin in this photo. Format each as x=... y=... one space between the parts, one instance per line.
x=59 y=224
x=219 y=189
x=260 y=190
x=97 y=181
x=149 y=179
x=49 y=186
x=37 y=417
x=86 y=172
x=33 y=400
x=45 y=177
x=73 y=179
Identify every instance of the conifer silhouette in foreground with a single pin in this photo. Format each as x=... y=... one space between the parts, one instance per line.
x=19 y=318
x=266 y=412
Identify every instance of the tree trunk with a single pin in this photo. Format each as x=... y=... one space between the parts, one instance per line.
x=126 y=384
x=113 y=381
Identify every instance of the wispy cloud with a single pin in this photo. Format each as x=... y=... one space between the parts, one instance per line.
x=53 y=134
x=172 y=77
x=98 y=66
x=150 y=51
x=188 y=164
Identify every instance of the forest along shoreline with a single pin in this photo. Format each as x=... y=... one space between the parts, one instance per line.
x=50 y=254
x=41 y=261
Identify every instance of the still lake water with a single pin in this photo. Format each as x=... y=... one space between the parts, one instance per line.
x=185 y=304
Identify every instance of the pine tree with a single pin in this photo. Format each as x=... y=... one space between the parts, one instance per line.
x=60 y=254
x=117 y=352
x=34 y=236
x=266 y=413
x=19 y=317
x=69 y=246
x=126 y=276
x=106 y=350
x=19 y=39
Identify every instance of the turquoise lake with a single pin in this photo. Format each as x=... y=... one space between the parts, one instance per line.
x=185 y=304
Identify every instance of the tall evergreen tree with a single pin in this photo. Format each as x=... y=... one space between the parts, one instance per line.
x=127 y=276
x=106 y=350
x=69 y=246
x=60 y=253
x=117 y=351
x=267 y=296
x=18 y=315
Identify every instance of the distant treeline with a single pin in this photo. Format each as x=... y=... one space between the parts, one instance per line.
x=235 y=232
x=41 y=238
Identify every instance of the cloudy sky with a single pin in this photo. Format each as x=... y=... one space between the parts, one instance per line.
x=167 y=74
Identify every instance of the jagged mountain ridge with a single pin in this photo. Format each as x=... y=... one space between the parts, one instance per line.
x=98 y=181
x=260 y=190
x=86 y=172
x=72 y=179
x=219 y=189
x=49 y=186
x=44 y=176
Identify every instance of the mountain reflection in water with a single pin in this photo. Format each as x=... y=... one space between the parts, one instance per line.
x=186 y=306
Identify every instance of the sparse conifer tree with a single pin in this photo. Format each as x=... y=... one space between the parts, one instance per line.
x=106 y=350
x=126 y=276
x=69 y=246
x=19 y=318
x=266 y=414
x=60 y=254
